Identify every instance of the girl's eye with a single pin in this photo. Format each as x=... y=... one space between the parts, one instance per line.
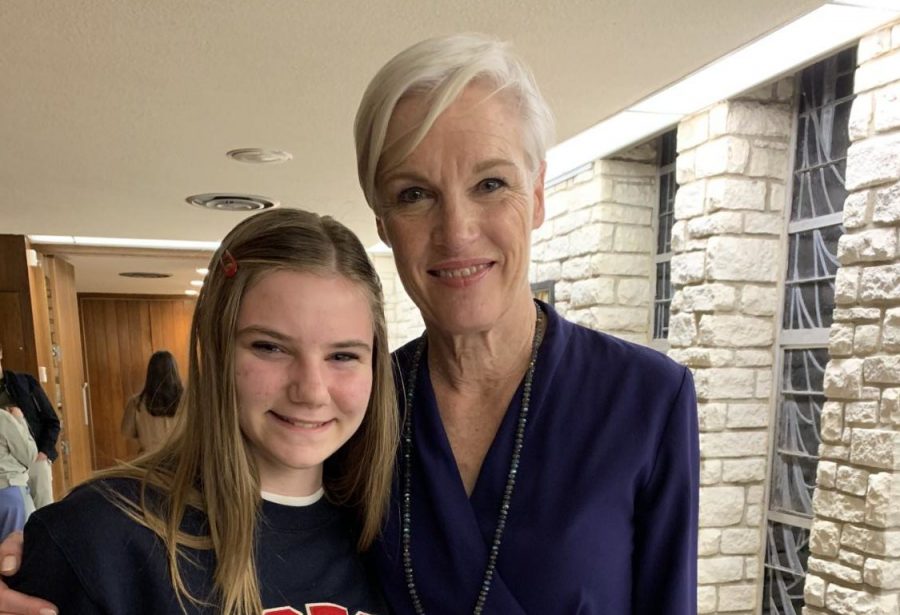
x=491 y=184
x=344 y=357
x=412 y=195
x=266 y=347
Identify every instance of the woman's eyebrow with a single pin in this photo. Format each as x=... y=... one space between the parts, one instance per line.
x=491 y=163
x=259 y=329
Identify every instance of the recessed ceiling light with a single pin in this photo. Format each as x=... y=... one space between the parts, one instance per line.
x=231 y=202
x=150 y=275
x=191 y=292
x=259 y=155
x=196 y=282
x=202 y=270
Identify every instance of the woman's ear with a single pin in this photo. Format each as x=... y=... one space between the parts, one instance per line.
x=537 y=218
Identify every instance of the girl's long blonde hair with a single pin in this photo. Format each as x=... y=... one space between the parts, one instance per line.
x=206 y=465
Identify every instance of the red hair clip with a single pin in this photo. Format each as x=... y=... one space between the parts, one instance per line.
x=229 y=264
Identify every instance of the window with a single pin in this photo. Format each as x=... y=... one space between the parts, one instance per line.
x=817 y=201
x=665 y=218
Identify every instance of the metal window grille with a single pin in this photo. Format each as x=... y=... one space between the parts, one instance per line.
x=817 y=200
x=665 y=218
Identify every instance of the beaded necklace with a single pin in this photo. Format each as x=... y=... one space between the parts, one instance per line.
x=407 y=447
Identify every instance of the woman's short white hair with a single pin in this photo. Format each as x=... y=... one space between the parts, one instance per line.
x=440 y=68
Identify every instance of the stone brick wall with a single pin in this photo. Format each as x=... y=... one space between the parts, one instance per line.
x=404 y=322
x=597 y=245
x=728 y=251
x=855 y=541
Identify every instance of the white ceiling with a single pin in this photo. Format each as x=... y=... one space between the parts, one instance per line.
x=112 y=112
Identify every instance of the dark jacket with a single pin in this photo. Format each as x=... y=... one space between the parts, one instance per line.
x=28 y=395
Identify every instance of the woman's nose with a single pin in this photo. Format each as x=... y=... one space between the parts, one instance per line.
x=307 y=384
x=457 y=223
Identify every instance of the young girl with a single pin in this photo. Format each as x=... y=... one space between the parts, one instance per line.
x=279 y=474
x=150 y=415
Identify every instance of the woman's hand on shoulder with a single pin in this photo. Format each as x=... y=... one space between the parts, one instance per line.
x=11 y=601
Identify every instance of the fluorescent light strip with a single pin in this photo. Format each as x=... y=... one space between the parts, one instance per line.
x=791 y=46
x=121 y=242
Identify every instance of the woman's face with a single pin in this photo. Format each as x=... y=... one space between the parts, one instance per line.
x=458 y=212
x=303 y=372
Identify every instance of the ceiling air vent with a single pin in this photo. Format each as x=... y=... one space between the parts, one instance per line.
x=150 y=275
x=231 y=202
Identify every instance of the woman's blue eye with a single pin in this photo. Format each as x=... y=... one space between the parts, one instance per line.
x=412 y=195
x=265 y=347
x=343 y=357
x=491 y=184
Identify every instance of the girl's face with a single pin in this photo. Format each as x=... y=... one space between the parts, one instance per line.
x=303 y=372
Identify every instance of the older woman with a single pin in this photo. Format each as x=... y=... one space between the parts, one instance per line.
x=544 y=467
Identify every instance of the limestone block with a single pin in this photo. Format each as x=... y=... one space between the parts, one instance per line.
x=852 y=480
x=846 y=285
x=726 y=154
x=826 y=474
x=735 y=331
x=753 y=517
x=588 y=193
x=832 y=421
x=718 y=223
x=709 y=297
x=747 y=415
x=759 y=300
x=733 y=444
x=867 y=246
x=857 y=313
x=886 y=206
x=746 y=471
x=737 y=598
x=825 y=537
x=837 y=452
x=842 y=507
x=882 y=370
x=874 y=447
x=860 y=117
x=589 y=239
x=633 y=291
x=641 y=193
x=554 y=250
x=726 y=383
x=880 y=283
x=682 y=330
x=854 y=560
x=702 y=357
x=890 y=405
x=609 y=167
x=873 y=161
x=769 y=159
x=720 y=569
x=547 y=271
x=710 y=471
x=814 y=590
x=834 y=569
x=857 y=210
x=887 y=108
x=890 y=335
x=878 y=500
x=718 y=119
x=763 y=223
x=593 y=291
x=752 y=358
x=758 y=119
x=848 y=601
x=693 y=131
x=629 y=238
x=688 y=268
x=620 y=264
x=708 y=541
x=679 y=238
x=865 y=339
x=706 y=599
x=883 y=574
x=568 y=222
x=735 y=193
x=751 y=567
x=622 y=214
x=840 y=340
x=861 y=412
x=576 y=268
x=743 y=259
x=878 y=71
x=609 y=318
x=711 y=417
x=777 y=200
x=764 y=384
x=741 y=541
x=721 y=506
x=685 y=171
x=873 y=45
x=843 y=378
x=755 y=494
x=857 y=537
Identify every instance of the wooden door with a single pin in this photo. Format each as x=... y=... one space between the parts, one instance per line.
x=12 y=336
x=75 y=449
x=119 y=336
